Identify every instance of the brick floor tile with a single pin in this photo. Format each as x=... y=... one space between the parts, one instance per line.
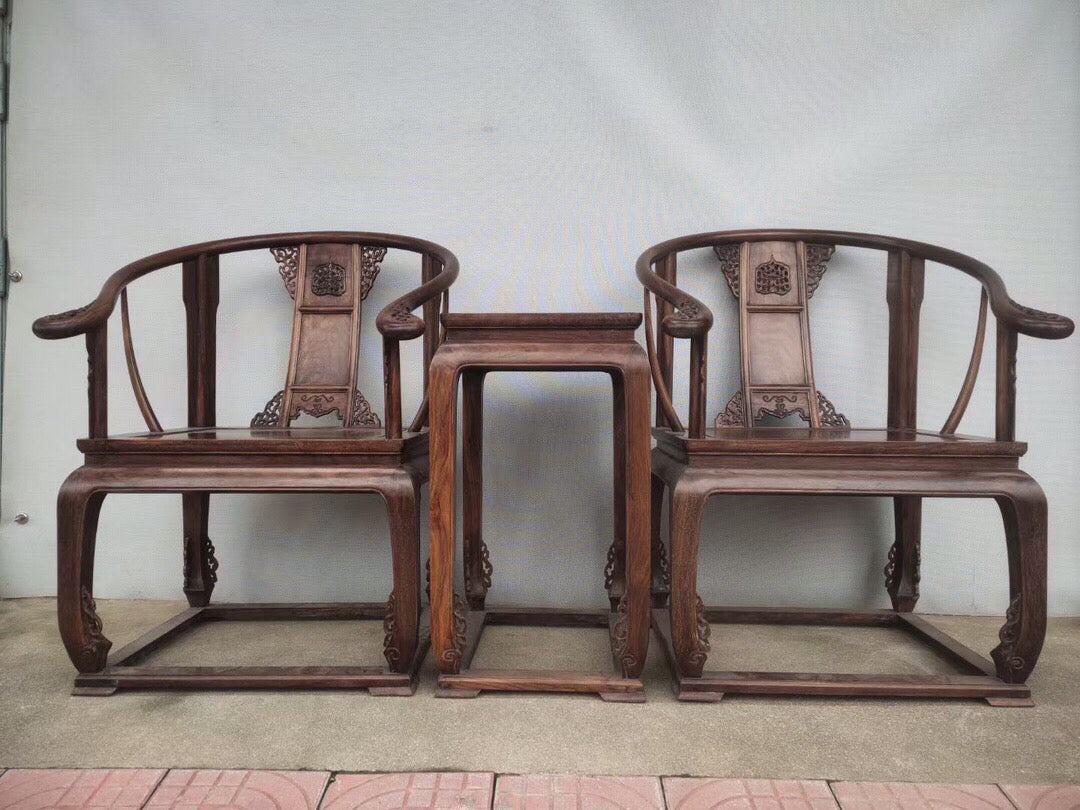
x=25 y=789
x=251 y=790
x=390 y=791
x=747 y=794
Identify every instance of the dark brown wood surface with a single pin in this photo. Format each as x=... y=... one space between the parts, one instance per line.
x=328 y=276
x=476 y=345
x=774 y=273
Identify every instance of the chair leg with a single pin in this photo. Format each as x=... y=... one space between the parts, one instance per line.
x=689 y=629
x=476 y=561
x=401 y=623
x=661 y=570
x=902 y=571
x=1024 y=514
x=200 y=564
x=77 y=510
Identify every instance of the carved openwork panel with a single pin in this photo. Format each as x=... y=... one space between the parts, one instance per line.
x=328 y=284
x=772 y=278
x=328 y=280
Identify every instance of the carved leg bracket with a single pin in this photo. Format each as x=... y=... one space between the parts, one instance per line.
x=452 y=657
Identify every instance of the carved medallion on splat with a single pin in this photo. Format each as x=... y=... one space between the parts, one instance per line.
x=328 y=280
x=772 y=278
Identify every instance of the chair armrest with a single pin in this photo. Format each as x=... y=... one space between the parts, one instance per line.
x=73 y=322
x=1033 y=322
x=396 y=320
x=691 y=318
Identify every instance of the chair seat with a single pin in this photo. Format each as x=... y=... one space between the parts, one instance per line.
x=262 y=440
x=833 y=441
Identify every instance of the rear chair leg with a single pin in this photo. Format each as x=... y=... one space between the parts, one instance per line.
x=661 y=569
x=77 y=510
x=1024 y=514
x=200 y=564
x=902 y=571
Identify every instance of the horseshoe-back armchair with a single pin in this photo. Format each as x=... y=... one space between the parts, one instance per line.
x=328 y=275
x=774 y=274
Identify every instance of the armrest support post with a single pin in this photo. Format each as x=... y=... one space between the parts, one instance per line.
x=1005 y=406
x=98 y=381
x=698 y=374
x=392 y=386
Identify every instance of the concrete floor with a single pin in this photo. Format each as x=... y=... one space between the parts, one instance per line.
x=41 y=725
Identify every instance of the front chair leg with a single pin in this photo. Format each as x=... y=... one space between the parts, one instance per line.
x=401 y=623
x=1024 y=515
x=689 y=628
x=77 y=510
x=200 y=564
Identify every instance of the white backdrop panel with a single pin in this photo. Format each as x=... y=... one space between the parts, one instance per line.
x=547 y=144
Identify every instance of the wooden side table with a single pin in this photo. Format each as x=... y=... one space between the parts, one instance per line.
x=476 y=344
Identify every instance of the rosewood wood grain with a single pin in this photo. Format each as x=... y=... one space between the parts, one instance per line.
x=479 y=344
x=773 y=274
x=328 y=275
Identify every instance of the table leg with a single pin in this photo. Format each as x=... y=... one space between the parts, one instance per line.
x=448 y=614
x=631 y=639
x=474 y=551
x=614 y=569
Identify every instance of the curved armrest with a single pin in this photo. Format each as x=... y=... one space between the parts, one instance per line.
x=396 y=320
x=399 y=322
x=691 y=318
x=1033 y=322
x=73 y=322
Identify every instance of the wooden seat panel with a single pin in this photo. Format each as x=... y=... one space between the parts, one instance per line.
x=329 y=440
x=833 y=441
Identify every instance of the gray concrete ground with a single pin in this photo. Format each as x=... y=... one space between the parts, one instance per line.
x=41 y=725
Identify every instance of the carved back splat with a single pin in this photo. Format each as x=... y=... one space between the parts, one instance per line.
x=328 y=284
x=773 y=282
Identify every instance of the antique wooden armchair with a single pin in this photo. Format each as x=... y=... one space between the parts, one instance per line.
x=328 y=275
x=773 y=274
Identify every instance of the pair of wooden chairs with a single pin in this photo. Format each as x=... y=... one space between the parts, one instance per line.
x=773 y=274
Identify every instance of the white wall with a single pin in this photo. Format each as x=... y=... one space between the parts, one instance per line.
x=547 y=144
